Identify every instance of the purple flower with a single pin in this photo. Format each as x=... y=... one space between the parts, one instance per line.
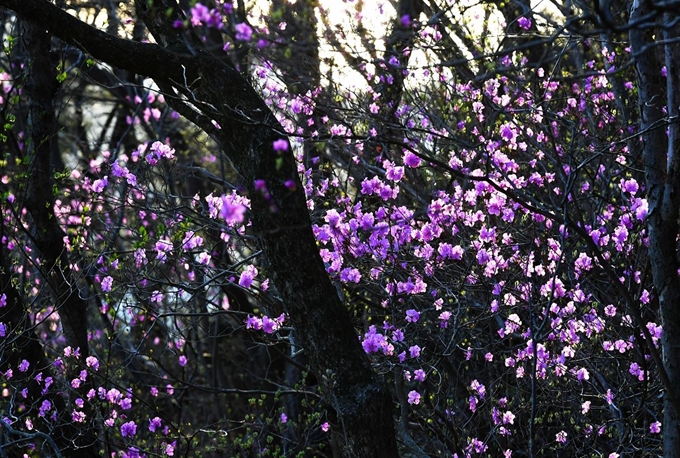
x=191 y=241
x=232 y=211
x=243 y=31
x=582 y=374
x=414 y=351
x=411 y=159
x=524 y=23
x=655 y=428
x=507 y=133
x=413 y=397
x=157 y=297
x=99 y=185
x=162 y=247
x=373 y=341
x=128 y=429
x=199 y=13
x=92 y=362
x=125 y=403
x=113 y=396
x=254 y=322
x=23 y=367
x=479 y=388
x=630 y=186
x=412 y=316
x=77 y=417
x=247 y=276
x=182 y=360
x=170 y=448
x=45 y=407
x=398 y=335
x=154 y=424
x=280 y=145
x=161 y=150
x=107 y=282
x=350 y=275
x=3 y=300
x=270 y=325
x=140 y=258
x=392 y=172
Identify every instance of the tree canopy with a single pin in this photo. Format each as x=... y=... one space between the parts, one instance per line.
x=306 y=228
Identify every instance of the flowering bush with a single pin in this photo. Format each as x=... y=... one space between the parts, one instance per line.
x=488 y=236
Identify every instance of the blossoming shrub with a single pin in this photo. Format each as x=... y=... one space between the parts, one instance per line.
x=491 y=249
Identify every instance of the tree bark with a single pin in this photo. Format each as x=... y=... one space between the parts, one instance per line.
x=661 y=153
x=41 y=88
x=364 y=425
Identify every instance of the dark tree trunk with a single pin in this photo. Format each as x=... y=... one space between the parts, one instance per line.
x=41 y=89
x=661 y=153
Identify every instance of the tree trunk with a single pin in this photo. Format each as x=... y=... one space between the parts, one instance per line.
x=661 y=152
